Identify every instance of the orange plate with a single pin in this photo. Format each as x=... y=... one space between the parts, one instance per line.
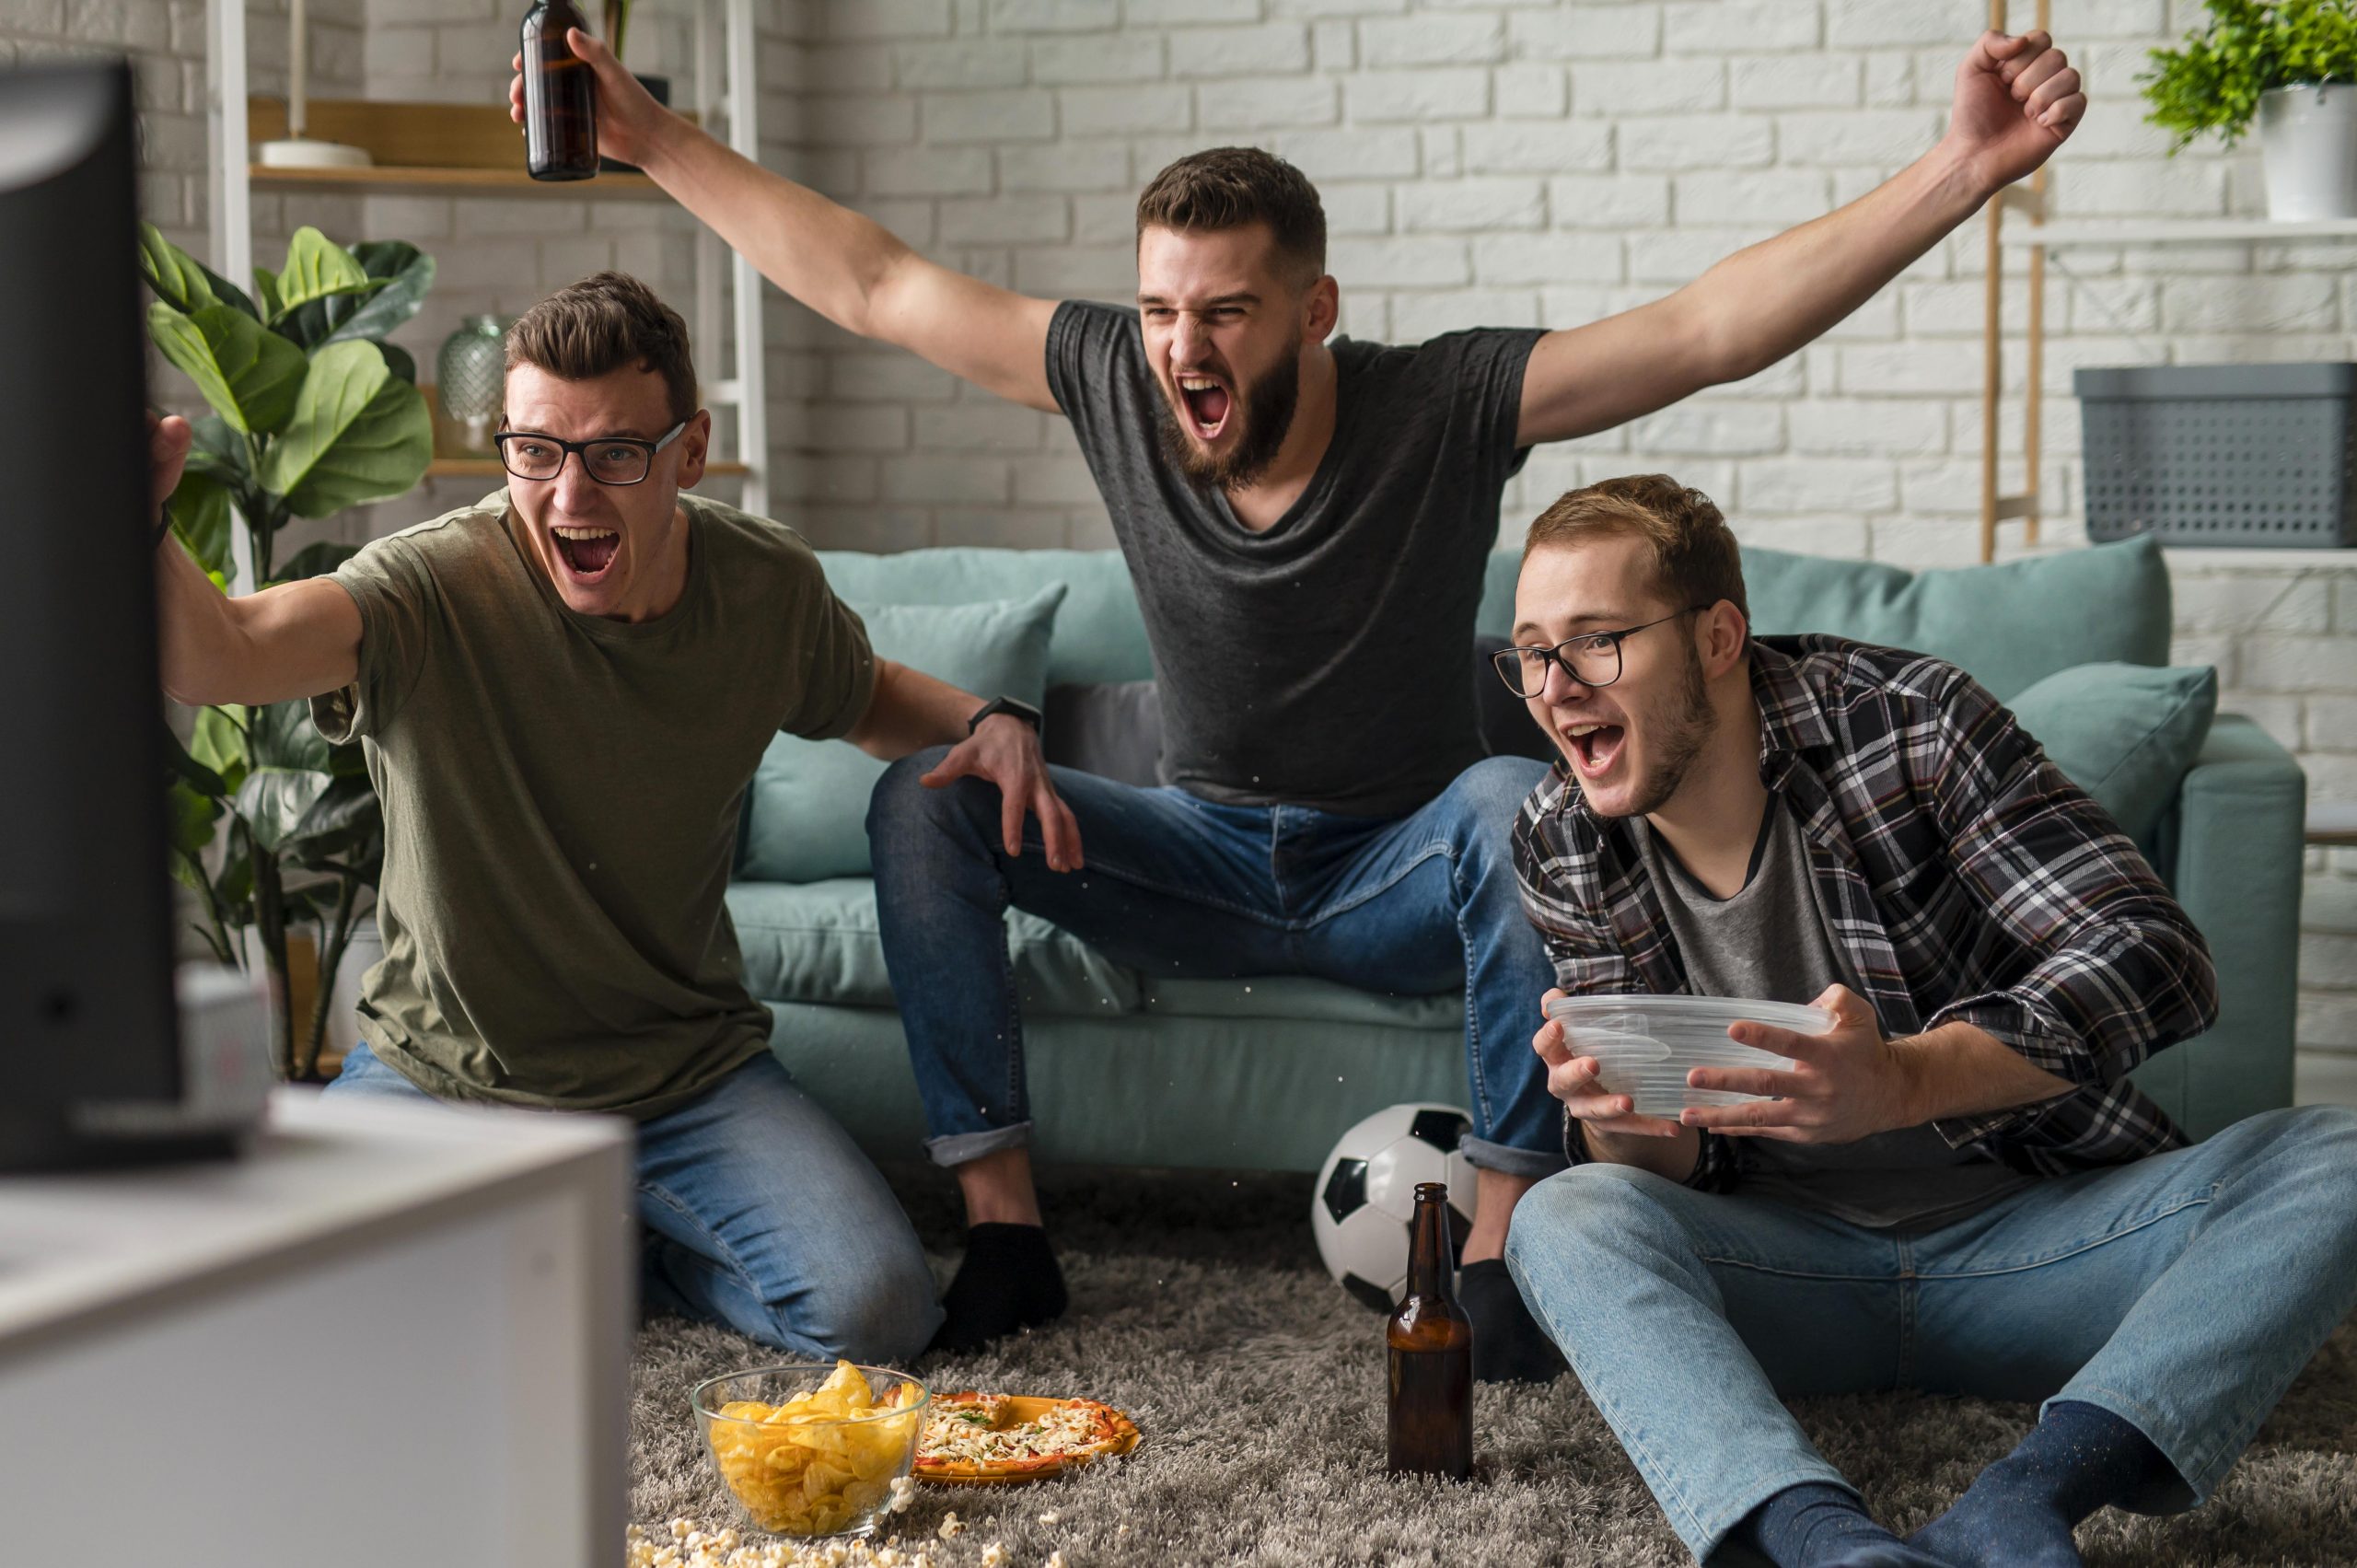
x=1021 y=1408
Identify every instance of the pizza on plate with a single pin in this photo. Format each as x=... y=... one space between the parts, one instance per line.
x=989 y=1437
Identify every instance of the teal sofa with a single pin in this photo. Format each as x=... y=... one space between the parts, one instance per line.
x=1129 y=1069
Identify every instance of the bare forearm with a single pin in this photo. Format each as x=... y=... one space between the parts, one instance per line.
x=1961 y=1070
x=295 y=640
x=822 y=253
x=910 y=711
x=203 y=650
x=1768 y=300
x=1672 y=1157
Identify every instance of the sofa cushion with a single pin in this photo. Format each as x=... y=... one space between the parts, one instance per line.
x=806 y=818
x=2009 y=625
x=2125 y=733
x=1099 y=634
x=817 y=942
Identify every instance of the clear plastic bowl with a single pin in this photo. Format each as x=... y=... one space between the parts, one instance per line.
x=1645 y=1045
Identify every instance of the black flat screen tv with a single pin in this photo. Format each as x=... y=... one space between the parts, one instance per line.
x=92 y=1071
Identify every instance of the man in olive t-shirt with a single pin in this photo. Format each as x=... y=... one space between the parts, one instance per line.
x=562 y=693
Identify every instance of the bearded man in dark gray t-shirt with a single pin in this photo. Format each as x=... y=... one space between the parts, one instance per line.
x=1306 y=523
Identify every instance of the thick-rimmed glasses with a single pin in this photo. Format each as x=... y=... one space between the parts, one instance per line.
x=1592 y=658
x=608 y=460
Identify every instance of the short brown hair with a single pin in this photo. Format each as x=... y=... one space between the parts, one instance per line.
x=602 y=324
x=1695 y=558
x=1233 y=188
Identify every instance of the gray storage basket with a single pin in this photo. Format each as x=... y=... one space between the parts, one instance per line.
x=2221 y=454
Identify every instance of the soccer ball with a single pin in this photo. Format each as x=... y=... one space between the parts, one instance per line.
x=1365 y=1197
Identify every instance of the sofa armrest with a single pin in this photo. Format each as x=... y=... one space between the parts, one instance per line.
x=2231 y=850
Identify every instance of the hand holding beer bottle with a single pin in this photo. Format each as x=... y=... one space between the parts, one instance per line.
x=627 y=123
x=1430 y=1344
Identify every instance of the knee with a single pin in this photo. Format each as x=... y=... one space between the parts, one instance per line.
x=2322 y=1141
x=904 y=818
x=1585 y=1210
x=1488 y=796
x=2307 y=1153
x=883 y=1316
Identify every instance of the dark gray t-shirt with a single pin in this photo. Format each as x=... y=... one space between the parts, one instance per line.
x=1772 y=942
x=1322 y=662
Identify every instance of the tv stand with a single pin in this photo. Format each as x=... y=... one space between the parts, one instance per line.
x=397 y=1333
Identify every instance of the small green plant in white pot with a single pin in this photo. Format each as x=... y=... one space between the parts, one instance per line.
x=2292 y=66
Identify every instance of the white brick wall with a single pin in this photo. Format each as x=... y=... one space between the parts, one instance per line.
x=1482 y=161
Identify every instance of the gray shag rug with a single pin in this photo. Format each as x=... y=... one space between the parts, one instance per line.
x=1200 y=1307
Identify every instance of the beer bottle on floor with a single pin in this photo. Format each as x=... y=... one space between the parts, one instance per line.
x=560 y=96
x=1430 y=1342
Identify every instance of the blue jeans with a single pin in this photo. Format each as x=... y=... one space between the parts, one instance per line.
x=760 y=1213
x=2182 y=1293
x=1416 y=905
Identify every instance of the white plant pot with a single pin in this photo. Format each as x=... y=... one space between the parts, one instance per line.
x=366 y=950
x=2308 y=138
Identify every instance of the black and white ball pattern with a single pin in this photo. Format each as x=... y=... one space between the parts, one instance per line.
x=1365 y=1196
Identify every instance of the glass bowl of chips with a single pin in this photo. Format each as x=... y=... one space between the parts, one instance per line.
x=812 y=1449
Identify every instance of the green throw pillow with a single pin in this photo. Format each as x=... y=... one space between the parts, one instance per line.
x=2125 y=733
x=806 y=820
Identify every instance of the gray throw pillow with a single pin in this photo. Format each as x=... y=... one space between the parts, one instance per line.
x=1112 y=729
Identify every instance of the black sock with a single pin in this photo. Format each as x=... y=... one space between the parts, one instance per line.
x=2020 y=1513
x=1009 y=1280
x=1818 y=1525
x=1508 y=1344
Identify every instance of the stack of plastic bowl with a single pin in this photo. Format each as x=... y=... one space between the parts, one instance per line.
x=1644 y=1046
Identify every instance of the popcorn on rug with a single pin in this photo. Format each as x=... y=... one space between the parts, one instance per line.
x=692 y=1547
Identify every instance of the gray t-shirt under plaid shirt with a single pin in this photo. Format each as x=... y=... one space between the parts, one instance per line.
x=1326 y=661
x=1769 y=942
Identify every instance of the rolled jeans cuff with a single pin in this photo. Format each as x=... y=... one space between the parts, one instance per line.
x=959 y=1148
x=1507 y=1160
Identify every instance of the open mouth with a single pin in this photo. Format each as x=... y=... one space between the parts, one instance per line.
x=1595 y=747
x=587 y=553
x=1207 y=405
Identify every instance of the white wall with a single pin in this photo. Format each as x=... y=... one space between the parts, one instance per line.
x=1482 y=162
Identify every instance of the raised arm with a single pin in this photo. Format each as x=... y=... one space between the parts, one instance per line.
x=296 y=640
x=2016 y=101
x=846 y=267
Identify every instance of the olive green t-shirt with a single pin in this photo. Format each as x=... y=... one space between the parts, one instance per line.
x=561 y=796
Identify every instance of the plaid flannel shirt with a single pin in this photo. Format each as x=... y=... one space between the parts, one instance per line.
x=1965 y=878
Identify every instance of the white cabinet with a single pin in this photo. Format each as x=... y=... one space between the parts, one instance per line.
x=391 y=1335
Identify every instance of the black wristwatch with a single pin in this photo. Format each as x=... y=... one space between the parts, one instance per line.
x=1010 y=707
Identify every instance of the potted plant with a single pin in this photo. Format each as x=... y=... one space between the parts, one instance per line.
x=273 y=827
x=2291 y=64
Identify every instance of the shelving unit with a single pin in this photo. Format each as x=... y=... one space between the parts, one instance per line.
x=458 y=149
x=2037 y=236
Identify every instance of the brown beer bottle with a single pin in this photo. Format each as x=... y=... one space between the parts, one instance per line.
x=1430 y=1342
x=560 y=96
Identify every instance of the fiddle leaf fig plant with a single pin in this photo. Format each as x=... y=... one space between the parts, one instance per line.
x=272 y=825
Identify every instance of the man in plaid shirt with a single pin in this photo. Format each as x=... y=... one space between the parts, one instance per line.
x=1956 y=1188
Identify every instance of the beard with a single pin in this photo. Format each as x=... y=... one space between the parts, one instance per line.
x=1267 y=415
x=1684 y=732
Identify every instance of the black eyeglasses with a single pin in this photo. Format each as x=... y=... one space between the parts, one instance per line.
x=608 y=460
x=1592 y=658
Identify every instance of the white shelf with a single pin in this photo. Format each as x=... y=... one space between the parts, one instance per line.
x=2169 y=231
x=727 y=59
